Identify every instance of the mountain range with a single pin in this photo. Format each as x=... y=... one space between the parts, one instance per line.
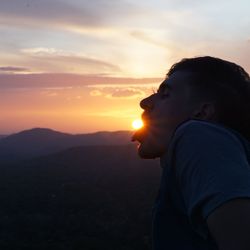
x=41 y=141
x=2 y=136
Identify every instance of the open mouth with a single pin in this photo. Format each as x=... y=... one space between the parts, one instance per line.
x=139 y=135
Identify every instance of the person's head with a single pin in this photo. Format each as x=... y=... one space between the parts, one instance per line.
x=204 y=88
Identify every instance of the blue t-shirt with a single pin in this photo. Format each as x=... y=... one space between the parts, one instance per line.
x=206 y=165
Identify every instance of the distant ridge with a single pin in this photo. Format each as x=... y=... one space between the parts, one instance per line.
x=41 y=141
x=2 y=136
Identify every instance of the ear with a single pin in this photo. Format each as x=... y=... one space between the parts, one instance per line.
x=205 y=111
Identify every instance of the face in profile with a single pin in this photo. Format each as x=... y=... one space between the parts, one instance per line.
x=163 y=112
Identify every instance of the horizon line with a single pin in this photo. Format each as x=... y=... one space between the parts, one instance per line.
x=63 y=132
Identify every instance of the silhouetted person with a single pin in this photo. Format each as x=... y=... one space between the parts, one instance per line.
x=198 y=123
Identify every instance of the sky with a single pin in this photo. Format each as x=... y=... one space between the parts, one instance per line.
x=82 y=66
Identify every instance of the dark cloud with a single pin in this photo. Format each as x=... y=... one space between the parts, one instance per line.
x=59 y=13
x=45 y=11
x=69 y=63
x=8 y=69
x=85 y=62
x=12 y=81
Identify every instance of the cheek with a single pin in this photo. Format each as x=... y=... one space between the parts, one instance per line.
x=163 y=110
x=175 y=110
x=167 y=115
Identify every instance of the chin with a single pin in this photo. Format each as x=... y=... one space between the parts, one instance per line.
x=149 y=151
x=151 y=144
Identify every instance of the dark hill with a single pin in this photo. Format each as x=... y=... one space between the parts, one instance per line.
x=40 y=141
x=2 y=136
x=89 y=197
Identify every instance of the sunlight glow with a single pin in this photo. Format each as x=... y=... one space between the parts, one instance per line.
x=137 y=124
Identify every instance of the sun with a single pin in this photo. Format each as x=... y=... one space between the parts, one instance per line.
x=137 y=124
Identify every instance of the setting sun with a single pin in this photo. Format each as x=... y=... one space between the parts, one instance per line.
x=137 y=124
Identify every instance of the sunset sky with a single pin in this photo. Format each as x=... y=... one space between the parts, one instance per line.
x=81 y=66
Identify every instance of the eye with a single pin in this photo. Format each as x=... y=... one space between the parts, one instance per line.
x=164 y=93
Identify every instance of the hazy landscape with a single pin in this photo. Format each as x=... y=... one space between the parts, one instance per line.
x=63 y=191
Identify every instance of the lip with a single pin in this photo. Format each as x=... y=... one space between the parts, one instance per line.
x=137 y=136
x=145 y=117
x=140 y=134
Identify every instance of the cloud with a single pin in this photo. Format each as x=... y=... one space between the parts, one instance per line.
x=47 y=59
x=125 y=113
x=12 y=69
x=46 y=12
x=52 y=94
x=56 y=13
x=119 y=93
x=123 y=91
x=147 y=86
x=143 y=36
x=126 y=93
x=95 y=93
x=62 y=81
x=41 y=51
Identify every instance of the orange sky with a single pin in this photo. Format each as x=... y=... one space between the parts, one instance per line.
x=75 y=104
x=82 y=66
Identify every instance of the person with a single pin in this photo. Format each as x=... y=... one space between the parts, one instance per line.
x=198 y=123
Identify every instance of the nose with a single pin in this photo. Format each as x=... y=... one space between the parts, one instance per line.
x=148 y=102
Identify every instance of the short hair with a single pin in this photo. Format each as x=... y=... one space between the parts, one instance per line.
x=224 y=82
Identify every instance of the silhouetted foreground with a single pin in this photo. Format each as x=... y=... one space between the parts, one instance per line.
x=91 y=197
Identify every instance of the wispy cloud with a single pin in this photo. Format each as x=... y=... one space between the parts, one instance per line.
x=126 y=93
x=144 y=36
x=42 y=51
x=53 y=94
x=12 y=69
x=119 y=91
x=144 y=83
x=57 y=13
x=54 y=60
x=120 y=114
x=96 y=93
x=62 y=81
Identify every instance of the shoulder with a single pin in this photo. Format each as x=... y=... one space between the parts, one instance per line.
x=199 y=138
x=199 y=130
x=201 y=126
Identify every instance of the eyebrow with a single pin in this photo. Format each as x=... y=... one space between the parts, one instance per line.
x=163 y=87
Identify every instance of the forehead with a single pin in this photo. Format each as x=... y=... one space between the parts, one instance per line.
x=177 y=81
